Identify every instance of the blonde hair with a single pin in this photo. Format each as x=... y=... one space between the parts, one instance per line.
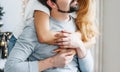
x=86 y=20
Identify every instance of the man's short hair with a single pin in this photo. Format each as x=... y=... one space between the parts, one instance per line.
x=44 y=2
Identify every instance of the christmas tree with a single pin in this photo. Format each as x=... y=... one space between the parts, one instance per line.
x=1 y=12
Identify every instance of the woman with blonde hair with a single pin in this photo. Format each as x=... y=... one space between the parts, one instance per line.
x=85 y=20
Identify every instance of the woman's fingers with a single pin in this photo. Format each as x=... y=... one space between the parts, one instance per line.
x=68 y=41
x=64 y=31
x=62 y=37
x=62 y=34
x=65 y=39
x=65 y=46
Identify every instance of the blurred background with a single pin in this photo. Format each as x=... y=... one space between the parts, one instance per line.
x=107 y=50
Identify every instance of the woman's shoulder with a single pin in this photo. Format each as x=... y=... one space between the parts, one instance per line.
x=34 y=5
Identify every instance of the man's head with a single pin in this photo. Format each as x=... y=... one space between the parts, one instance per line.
x=63 y=6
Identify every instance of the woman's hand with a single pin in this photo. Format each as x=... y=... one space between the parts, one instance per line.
x=68 y=40
x=71 y=40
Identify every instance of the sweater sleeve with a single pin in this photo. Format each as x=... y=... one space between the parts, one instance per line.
x=86 y=64
x=17 y=60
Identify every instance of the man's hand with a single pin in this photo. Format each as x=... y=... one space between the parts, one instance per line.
x=63 y=58
x=59 y=60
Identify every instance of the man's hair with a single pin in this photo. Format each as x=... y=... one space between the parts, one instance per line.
x=44 y=2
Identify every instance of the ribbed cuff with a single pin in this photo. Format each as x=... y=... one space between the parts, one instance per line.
x=86 y=63
x=34 y=66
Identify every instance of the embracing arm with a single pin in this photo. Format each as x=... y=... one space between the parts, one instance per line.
x=17 y=60
x=25 y=44
x=86 y=64
x=44 y=34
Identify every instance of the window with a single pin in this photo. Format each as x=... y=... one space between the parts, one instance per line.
x=97 y=51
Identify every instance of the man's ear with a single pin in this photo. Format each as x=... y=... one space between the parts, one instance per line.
x=51 y=4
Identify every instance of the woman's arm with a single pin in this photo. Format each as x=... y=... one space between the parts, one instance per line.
x=44 y=34
x=65 y=37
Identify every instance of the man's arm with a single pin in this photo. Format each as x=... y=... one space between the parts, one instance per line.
x=86 y=63
x=58 y=61
x=17 y=60
x=85 y=58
